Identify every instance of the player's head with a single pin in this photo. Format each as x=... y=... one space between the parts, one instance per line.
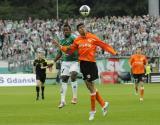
x=40 y=53
x=81 y=29
x=66 y=30
x=139 y=50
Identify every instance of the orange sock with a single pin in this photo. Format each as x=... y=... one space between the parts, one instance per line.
x=141 y=92
x=93 y=101
x=99 y=99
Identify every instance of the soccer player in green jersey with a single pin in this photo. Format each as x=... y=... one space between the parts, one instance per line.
x=69 y=67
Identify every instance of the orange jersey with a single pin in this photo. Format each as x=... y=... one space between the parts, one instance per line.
x=86 y=46
x=138 y=62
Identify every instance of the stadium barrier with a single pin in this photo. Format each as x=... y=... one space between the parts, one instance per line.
x=115 y=64
x=109 y=77
x=117 y=70
x=17 y=79
x=154 y=77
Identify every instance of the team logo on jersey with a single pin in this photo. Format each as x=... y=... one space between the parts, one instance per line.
x=85 y=45
x=89 y=40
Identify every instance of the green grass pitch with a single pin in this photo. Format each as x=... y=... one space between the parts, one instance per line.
x=19 y=107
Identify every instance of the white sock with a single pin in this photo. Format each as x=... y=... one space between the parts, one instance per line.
x=74 y=88
x=63 y=91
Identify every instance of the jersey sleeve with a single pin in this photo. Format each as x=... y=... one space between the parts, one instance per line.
x=70 y=49
x=104 y=45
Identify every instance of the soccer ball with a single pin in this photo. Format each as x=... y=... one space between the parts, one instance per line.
x=84 y=10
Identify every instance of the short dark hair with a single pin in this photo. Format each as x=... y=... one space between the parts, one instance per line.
x=80 y=24
x=67 y=25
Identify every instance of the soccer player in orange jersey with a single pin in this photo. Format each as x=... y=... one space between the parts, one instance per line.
x=86 y=45
x=137 y=62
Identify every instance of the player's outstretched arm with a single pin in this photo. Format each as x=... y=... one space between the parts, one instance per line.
x=55 y=42
x=63 y=48
x=50 y=65
x=67 y=49
x=106 y=47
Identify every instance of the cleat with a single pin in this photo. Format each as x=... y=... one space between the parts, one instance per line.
x=74 y=101
x=141 y=99
x=91 y=115
x=105 y=108
x=61 y=105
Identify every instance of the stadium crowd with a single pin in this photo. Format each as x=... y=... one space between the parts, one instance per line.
x=19 y=40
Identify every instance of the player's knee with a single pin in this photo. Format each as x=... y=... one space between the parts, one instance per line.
x=73 y=76
x=92 y=90
x=90 y=86
x=64 y=79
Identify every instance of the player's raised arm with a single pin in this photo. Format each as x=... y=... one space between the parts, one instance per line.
x=105 y=46
x=55 y=42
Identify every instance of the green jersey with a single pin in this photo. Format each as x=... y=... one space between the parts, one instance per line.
x=66 y=42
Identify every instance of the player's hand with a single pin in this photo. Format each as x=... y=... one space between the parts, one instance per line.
x=55 y=42
x=50 y=65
